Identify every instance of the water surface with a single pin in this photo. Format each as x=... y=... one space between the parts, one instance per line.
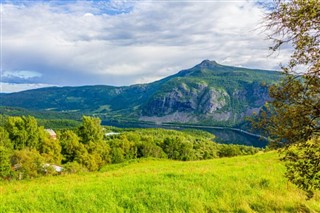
x=223 y=135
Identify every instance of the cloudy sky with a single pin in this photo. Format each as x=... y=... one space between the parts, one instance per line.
x=122 y=42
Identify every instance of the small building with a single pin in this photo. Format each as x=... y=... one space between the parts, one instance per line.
x=52 y=134
x=111 y=133
x=55 y=167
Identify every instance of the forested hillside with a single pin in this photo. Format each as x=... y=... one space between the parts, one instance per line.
x=208 y=93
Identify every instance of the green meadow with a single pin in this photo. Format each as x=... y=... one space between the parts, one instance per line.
x=240 y=184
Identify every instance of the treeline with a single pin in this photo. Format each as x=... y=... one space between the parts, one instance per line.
x=27 y=150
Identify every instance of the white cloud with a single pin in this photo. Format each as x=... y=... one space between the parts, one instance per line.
x=8 y=87
x=122 y=42
x=24 y=74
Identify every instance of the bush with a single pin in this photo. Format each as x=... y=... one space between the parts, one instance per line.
x=27 y=163
x=5 y=166
x=303 y=165
x=73 y=168
x=150 y=149
x=177 y=148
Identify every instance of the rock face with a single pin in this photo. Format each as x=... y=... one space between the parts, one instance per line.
x=208 y=93
x=206 y=101
x=201 y=102
x=198 y=99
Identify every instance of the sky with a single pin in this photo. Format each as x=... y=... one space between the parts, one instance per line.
x=71 y=43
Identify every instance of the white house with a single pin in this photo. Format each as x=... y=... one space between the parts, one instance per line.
x=52 y=133
x=111 y=133
x=55 y=167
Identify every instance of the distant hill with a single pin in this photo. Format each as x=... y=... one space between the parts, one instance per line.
x=208 y=94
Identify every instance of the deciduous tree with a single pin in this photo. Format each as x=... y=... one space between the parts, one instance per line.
x=5 y=166
x=91 y=130
x=49 y=148
x=4 y=139
x=69 y=144
x=293 y=117
x=23 y=132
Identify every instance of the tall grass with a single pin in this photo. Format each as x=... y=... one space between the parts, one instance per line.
x=240 y=184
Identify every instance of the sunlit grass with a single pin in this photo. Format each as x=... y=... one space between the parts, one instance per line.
x=240 y=184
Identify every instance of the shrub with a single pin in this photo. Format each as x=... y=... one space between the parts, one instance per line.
x=73 y=167
x=27 y=163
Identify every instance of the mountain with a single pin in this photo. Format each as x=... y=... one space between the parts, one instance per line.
x=208 y=93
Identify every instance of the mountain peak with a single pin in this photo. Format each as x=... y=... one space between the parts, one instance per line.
x=207 y=63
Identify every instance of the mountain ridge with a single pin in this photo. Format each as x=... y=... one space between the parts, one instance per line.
x=208 y=93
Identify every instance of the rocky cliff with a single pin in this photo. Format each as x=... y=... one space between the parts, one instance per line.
x=208 y=93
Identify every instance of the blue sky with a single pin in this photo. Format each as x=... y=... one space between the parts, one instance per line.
x=126 y=42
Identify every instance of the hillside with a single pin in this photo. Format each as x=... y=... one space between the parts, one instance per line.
x=240 y=184
x=208 y=93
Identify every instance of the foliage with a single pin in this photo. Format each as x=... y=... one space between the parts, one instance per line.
x=45 y=116
x=23 y=132
x=297 y=22
x=94 y=152
x=4 y=139
x=59 y=123
x=172 y=144
x=49 y=148
x=88 y=149
x=148 y=148
x=294 y=114
x=2 y=118
x=231 y=150
x=28 y=163
x=122 y=149
x=293 y=117
x=91 y=130
x=69 y=145
x=303 y=165
x=86 y=159
x=100 y=152
x=296 y=107
x=5 y=165
x=177 y=148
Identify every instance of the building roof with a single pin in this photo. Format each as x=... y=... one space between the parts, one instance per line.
x=55 y=167
x=111 y=133
x=52 y=134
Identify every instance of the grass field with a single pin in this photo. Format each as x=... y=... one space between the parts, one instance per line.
x=240 y=184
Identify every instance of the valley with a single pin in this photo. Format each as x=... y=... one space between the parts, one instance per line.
x=113 y=106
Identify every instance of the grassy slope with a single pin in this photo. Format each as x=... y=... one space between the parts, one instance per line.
x=240 y=184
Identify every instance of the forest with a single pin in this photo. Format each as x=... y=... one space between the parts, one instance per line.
x=27 y=150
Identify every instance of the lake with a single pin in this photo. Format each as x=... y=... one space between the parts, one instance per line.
x=228 y=136
x=223 y=135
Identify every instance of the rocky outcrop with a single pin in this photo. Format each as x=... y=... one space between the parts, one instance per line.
x=199 y=98
x=194 y=103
